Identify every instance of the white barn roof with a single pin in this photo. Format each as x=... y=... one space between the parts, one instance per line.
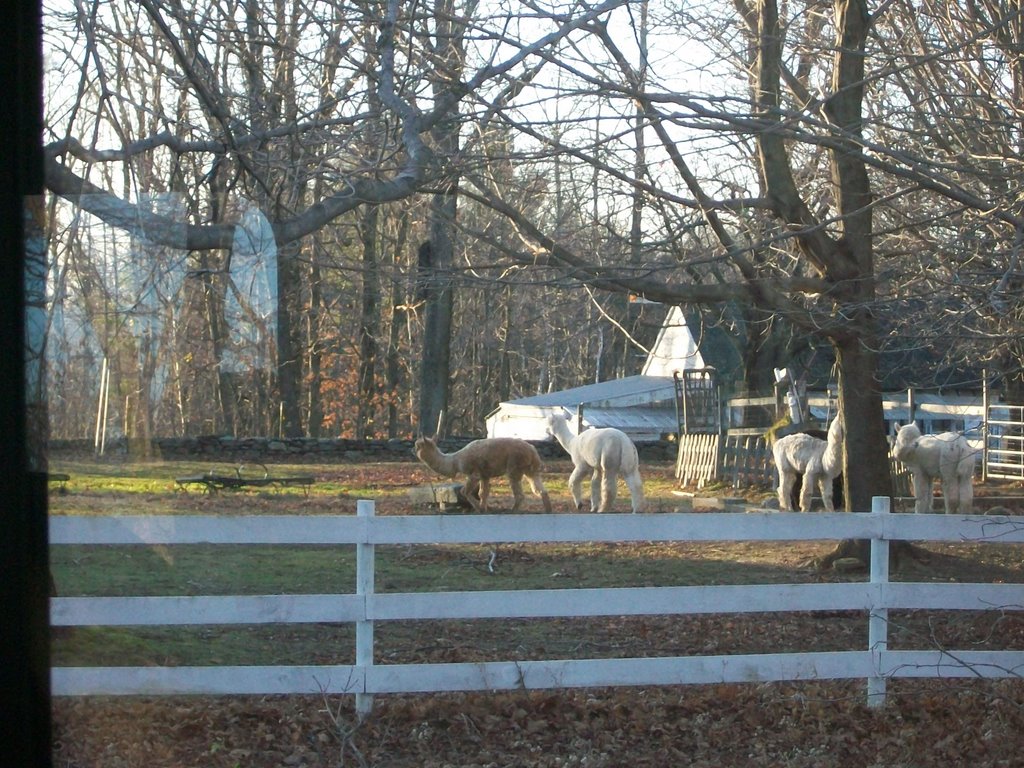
x=641 y=406
x=632 y=390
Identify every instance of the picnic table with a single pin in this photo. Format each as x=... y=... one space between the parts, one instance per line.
x=214 y=481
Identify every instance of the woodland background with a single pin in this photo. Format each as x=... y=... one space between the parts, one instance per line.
x=337 y=218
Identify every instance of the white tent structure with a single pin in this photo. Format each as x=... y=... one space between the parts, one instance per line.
x=644 y=406
x=675 y=350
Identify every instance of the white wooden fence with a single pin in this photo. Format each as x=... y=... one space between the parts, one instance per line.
x=365 y=678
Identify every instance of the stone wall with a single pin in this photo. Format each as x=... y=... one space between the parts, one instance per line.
x=301 y=449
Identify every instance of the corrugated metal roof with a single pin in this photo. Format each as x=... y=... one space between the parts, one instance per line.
x=641 y=406
x=632 y=389
x=634 y=420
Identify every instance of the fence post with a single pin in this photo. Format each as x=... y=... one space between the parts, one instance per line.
x=984 y=425
x=878 y=619
x=364 y=629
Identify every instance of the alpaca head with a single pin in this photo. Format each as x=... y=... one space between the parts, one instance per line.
x=555 y=422
x=560 y=428
x=906 y=440
x=424 y=446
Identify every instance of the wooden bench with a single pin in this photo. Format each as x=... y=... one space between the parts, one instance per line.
x=213 y=481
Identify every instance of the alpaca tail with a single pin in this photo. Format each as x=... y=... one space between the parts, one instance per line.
x=629 y=458
x=966 y=459
x=537 y=486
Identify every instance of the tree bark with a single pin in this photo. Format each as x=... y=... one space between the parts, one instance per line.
x=369 y=325
x=435 y=376
x=314 y=395
x=399 y=317
x=437 y=332
x=289 y=359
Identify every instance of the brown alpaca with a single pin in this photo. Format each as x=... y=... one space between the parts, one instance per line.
x=484 y=459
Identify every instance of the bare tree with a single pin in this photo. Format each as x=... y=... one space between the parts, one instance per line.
x=802 y=167
x=796 y=237
x=269 y=101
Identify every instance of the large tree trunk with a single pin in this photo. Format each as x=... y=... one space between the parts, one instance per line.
x=289 y=360
x=213 y=305
x=435 y=372
x=314 y=394
x=847 y=262
x=369 y=326
x=866 y=465
x=435 y=376
x=399 y=317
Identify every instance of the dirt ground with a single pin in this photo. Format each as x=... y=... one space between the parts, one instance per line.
x=804 y=725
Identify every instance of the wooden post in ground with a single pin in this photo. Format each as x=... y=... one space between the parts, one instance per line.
x=984 y=425
x=364 y=629
x=878 y=619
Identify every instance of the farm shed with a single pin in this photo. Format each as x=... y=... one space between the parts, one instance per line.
x=642 y=406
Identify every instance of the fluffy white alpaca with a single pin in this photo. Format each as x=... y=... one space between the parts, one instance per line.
x=605 y=453
x=482 y=460
x=819 y=461
x=947 y=456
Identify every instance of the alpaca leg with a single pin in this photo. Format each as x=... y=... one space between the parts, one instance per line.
x=595 y=490
x=576 y=484
x=825 y=486
x=922 y=492
x=609 y=490
x=786 y=490
x=636 y=490
x=950 y=494
x=516 y=482
x=537 y=484
x=485 y=491
x=807 y=491
x=472 y=492
x=967 y=494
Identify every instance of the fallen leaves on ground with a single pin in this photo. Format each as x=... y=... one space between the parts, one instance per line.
x=808 y=725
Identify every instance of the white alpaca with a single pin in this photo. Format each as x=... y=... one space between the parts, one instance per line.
x=606 y=453
x=819 y=461
x=948 y=457
x=482 y=460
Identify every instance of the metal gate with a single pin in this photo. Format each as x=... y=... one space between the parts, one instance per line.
x=1003 y=455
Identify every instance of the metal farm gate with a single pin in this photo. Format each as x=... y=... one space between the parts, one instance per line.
x=1003 y=451
x=699 y=413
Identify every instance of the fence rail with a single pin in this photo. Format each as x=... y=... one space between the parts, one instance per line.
x=364 y=606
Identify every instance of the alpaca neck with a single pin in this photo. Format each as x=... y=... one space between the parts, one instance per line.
x=563 y=434
x=907 y=453
x=832 y=459
x=442 y=463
